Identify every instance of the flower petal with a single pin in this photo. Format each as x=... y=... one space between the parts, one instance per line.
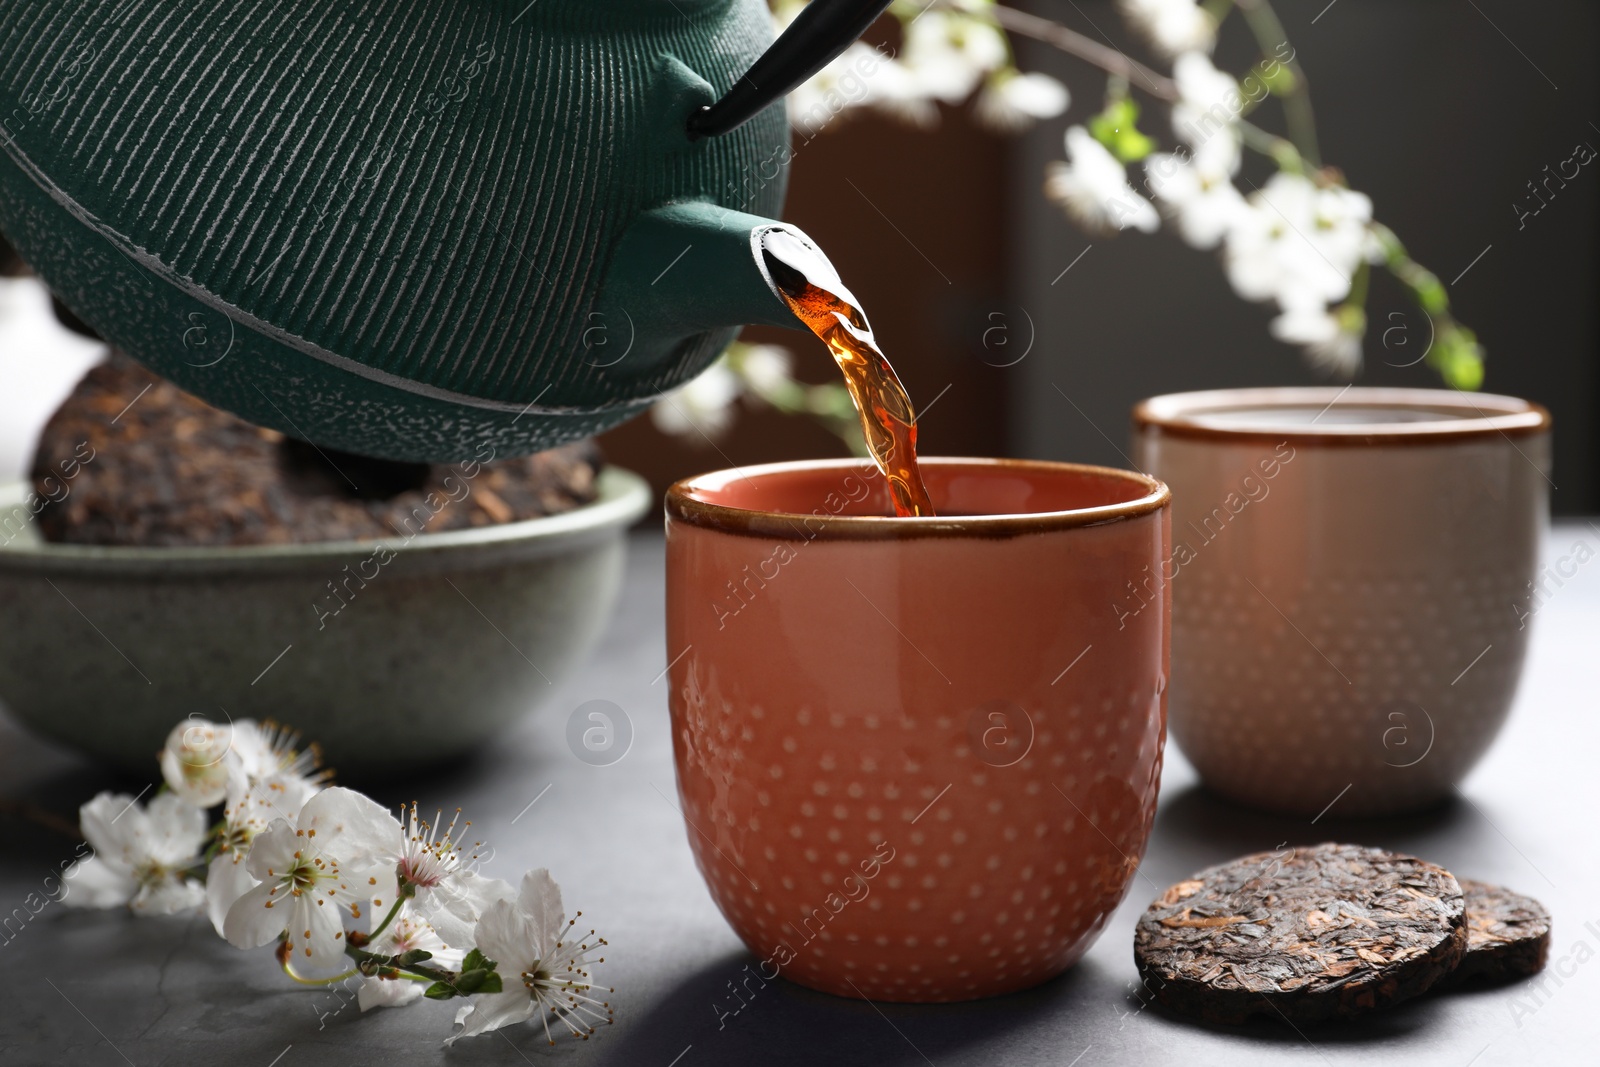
x=454 y=907
x=94 y=883
x=316 y=936
x=491 y=1011
x=539 y=898
x=195 y=761
x=1094 y=189
x=251 y=749
x=168 y=896
x=408 y=932
x=255 y=803
x=351 y=827
x=108 y=822
x=176 y=829
x=258 y=917
x=1172 y=26
x=387 y=993
x=273 y=852
x=369 y=892
x=507 y=935
x=227 y=880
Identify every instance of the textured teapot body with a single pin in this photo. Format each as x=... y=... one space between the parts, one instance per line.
x=395 y=228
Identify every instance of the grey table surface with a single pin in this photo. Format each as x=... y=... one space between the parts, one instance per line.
x=103 y=988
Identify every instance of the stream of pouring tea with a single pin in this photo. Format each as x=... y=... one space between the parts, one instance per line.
x=812 y=289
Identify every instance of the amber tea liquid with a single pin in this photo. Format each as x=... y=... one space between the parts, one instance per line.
x=810 y=286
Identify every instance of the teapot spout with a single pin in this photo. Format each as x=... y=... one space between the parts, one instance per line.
x=686 y=270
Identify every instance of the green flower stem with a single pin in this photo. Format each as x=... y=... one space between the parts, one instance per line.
x=318 y=981
x=1280 y=150
x=1116 y=89
x=1358 y=286
x=418 y=971
x=404 y=894
x=1455 y=353
x=1270 y=35
x=1425 y=286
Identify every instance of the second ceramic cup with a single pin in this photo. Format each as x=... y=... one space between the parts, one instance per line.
x=918 y=757
x=1352 y=580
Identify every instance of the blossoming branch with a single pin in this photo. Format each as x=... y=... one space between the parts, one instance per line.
x=1303 y=240
x=342 y=888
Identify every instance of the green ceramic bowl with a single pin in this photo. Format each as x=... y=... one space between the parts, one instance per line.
x=391 y=654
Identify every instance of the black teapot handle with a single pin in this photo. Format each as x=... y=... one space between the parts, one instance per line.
x=812 y=41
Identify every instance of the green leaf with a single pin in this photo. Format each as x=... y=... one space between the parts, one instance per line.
x=477 y=961
x=1459 y=358
x=1287 y=156
x=1117 y=128
x=416 y=955
x=440 y=991
x=1464 y=372
x=491 y=984
x=1430 y=293
x=472 y=981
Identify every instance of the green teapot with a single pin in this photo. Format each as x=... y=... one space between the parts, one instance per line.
x=408 y=228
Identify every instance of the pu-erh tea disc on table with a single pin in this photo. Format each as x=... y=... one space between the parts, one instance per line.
x=1305 y=934
x=1508 y=935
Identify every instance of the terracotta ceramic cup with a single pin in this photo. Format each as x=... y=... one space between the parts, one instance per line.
x=1351 y=577
x=918 y=757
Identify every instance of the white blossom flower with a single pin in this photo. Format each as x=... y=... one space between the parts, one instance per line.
x=447 y=893
x=1299 y=244
x=1331 y=341
x=945 y=55
x=1341 y=226
x=264 y=749
x=894 y=90
x=702 y=406
x=332 y=861
x=948 y=53
x=1172 y=26
x=141 y=854
x=252 y=806
x=1012 y=101
x=405 y=934
x=1093 y=188
x=1198 y=191
x=857 y=77
x=1208 y=109
x=194 y=761
x=200 y=757
x=860 y=76
x=542 y=966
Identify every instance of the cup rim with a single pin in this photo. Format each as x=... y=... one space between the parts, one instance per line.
x=1463 y=416
x=681 y=506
